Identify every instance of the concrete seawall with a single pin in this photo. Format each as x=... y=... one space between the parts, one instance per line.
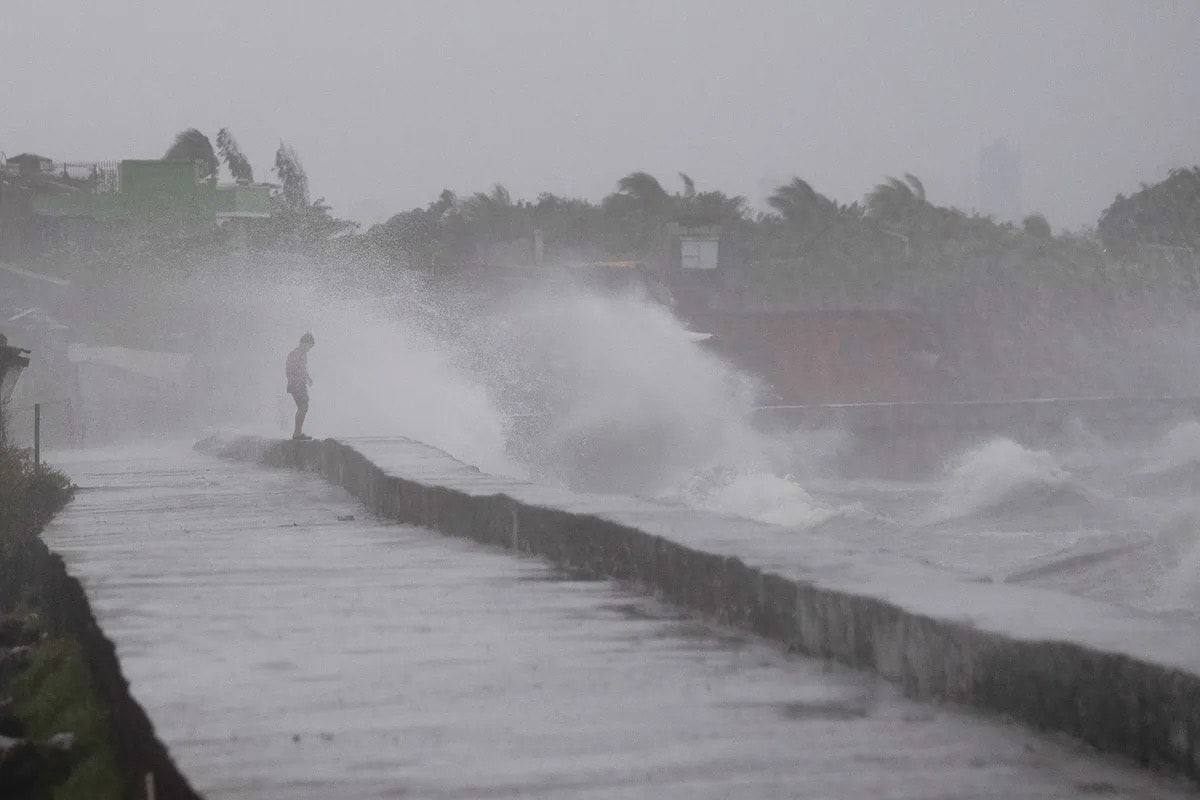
x=1125 y=682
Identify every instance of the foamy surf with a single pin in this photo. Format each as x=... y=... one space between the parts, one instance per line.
x=1179 y=587
x=1002 y=475
x=1175 y=455
x=761 y=496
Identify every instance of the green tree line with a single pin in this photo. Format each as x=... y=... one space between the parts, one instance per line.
x=804 y=241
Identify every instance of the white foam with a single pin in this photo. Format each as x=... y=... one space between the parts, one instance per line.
x=1180 y=447
x=985 y=477
x=1179 y=585
x=773 y=499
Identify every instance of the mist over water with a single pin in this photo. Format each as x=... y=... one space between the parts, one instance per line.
x=563 y=384
x=607 y=391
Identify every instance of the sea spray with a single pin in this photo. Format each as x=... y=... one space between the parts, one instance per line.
x=1178 y=448
x=624 y=399
x=619 y=397
x=1000 y=474
x=381 y=367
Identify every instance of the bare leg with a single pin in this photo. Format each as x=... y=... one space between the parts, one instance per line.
x=301 y=411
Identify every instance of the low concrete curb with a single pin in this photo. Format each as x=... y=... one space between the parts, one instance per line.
x=1124 y=682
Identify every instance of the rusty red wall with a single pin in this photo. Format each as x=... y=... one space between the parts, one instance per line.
x=819 y=357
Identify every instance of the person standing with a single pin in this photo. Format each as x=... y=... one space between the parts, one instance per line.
x=298 y=382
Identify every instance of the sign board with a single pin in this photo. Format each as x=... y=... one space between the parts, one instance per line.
x=698 y=253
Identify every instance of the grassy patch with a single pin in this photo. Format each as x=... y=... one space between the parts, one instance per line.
x=56 y=694
x=29 y=496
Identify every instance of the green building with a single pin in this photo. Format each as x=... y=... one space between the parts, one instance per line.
x=43 y=201
x=155 y=192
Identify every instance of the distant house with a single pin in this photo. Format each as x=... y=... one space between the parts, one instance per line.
x=159 y=191
x=27 y=164
x=13 y=359
x=88 y=393
x=50 y=378
x=44 y=203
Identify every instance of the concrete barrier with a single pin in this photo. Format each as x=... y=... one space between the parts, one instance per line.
x=1125 y=682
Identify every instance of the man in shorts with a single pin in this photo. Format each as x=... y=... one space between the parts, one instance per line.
x=298 y=382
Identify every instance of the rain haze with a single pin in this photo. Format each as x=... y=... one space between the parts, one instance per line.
x=392 y=102
x=612 y=399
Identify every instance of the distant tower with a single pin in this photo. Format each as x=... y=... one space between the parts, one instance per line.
x=1000 y=181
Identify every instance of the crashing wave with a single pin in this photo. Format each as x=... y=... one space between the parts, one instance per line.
x=1001 y=476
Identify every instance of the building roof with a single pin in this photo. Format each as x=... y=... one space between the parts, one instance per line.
x=29 y=157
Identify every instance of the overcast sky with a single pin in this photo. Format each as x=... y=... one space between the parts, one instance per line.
x=389 y=101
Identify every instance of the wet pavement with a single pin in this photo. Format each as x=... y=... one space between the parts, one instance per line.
x=284 y=649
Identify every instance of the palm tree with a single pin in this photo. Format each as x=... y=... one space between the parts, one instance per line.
x=704 y=208
x=915 y=184
x=798 y=202
x=292 y=176
x=193 y=146
x=413 y=236
x=231 y=154
x=1167 y=213
x=445 y=202
x=482 y=205
x=711 y=208
x=1037 y=226
x=689 y=185
x=645 y=189
x=632 y=215
x=897 y=200
x=493 y=215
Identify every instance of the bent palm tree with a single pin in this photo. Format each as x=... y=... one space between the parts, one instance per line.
x=493 y=215
x=292 y=176
x=645 y=189
x=897 y=200
x=192 y=145
x=797 y=202
x=231 y=154
x=689 y=185
x=915 y=184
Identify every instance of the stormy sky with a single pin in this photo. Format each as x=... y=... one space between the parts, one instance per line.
x=389 y=101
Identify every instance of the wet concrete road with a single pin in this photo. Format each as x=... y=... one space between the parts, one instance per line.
x=284 y=653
